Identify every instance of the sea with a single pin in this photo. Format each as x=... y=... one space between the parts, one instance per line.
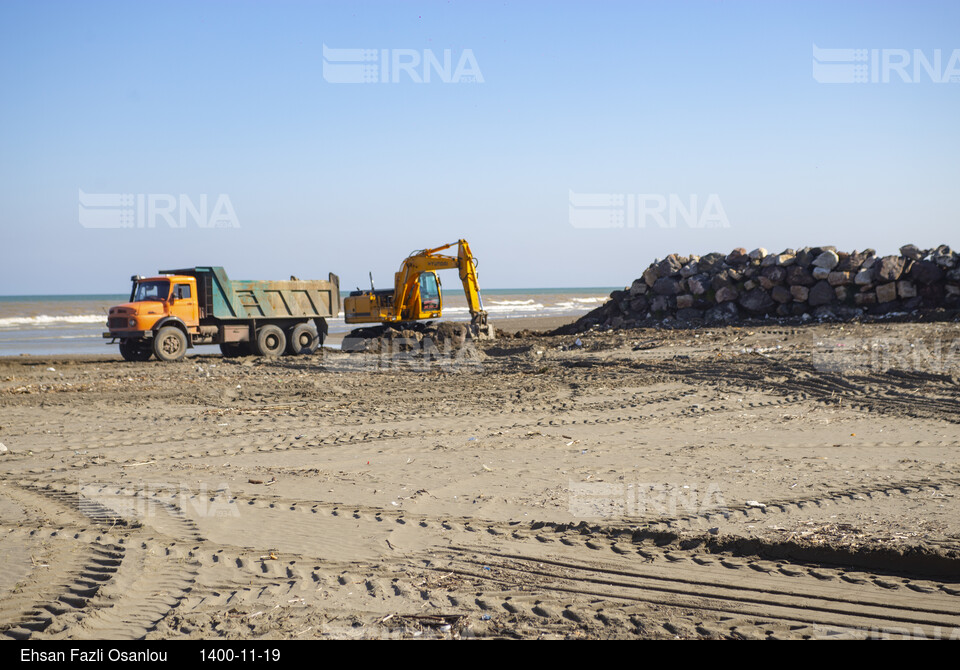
x=41 y=325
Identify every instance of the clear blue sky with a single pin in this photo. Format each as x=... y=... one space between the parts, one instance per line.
x=590 y=97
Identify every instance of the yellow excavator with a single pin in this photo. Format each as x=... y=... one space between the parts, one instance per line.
x=416 y=292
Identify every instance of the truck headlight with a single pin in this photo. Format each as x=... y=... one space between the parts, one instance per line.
x=132 y=323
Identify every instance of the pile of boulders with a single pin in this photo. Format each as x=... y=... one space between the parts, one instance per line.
x=813 y=282
x=408 y=337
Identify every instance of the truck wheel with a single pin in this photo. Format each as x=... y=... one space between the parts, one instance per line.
x=302 y=340
x=271 y=341
x=135 y=350
x=234 y=349
x=170 y=344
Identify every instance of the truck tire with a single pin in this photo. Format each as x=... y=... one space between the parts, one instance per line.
x=135 y=350
x=170 y=344
x=234 y=349
x=302 y=339
x=271 y=341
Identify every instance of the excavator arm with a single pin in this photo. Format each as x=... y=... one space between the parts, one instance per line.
x=425 y=260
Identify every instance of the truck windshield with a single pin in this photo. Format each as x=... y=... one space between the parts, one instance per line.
x=151 y=290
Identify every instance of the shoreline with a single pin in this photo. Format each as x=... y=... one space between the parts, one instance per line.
x=509 y=326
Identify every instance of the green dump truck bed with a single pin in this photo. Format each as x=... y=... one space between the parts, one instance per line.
x=226 y=299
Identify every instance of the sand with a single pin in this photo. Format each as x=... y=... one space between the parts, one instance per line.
x=786 y=482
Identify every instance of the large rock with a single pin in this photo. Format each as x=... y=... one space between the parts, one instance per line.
x=638 y=305
x=889 y=268
x=821 y=294
x=945 y=258
x=757 y=301
x=799 y=276
x=828 y=260
x=925 y=272
x=906 y=289
x=721 y=280
x=886 y=292
x=805 y=257
x=710 y=263
x=738 y=256
x=663 y=303
x=669 y=265
x=911 y=251
x=726 y=294
x=781 y=294
x=774 y=273
x=820 y=273
x=840 y=278
x=650 y=275
x=800 y=293
x=666 y=286
x=699 y=284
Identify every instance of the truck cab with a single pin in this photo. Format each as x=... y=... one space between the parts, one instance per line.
x=155 y=299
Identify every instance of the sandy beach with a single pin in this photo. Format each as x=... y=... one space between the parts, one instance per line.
x=739 y=482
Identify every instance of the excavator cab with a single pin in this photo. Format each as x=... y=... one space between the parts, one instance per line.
x=429 y=292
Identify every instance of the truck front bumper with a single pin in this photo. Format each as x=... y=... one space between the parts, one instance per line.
x=129 y=335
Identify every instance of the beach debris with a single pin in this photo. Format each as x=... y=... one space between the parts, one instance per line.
x=440 y=621
x=3 y=448
x=754 y=503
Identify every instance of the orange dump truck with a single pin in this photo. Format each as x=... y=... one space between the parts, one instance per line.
x=178 y=309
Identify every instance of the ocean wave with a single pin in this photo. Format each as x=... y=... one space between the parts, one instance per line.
x=51 y=320
x=510 y=302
